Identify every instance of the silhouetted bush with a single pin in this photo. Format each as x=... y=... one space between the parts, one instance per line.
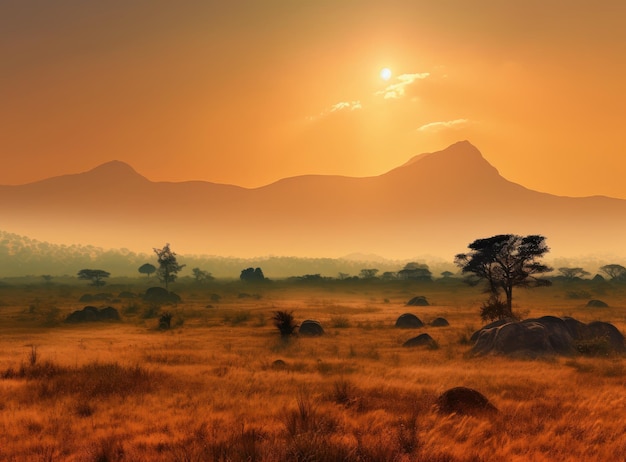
x=285 y=323
x=165 y=320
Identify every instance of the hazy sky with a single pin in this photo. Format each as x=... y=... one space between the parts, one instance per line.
x=247 y=92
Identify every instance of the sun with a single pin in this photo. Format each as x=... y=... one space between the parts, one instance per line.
x=385 y=73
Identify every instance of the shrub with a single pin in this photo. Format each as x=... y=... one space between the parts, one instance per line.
x=493 y=309
x=165 y=320
x=285 y=323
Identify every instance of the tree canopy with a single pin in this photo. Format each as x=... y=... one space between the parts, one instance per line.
x=95 y=276
x=505 y=261
x=168 y=265
x=614 y=271
x=573 y=273
x=252 y=275
x=147 y=268
x=201 y=275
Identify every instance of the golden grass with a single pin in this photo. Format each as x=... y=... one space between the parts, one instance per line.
x=208 y=389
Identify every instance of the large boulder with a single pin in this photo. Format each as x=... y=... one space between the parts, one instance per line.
x=311 y=328
x=160 y=295
x=464 y=401
x=498 y=323
x=420 y=340
x=439 y=322
x=420 y=300
x=108 y=314
x=514 y=337
x=608 y=332
x=93 y=314
x=547 y=335
x=409 y=321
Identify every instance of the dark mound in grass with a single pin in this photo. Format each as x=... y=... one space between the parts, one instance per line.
x=464 y=401
x=409 y=321
x=93 y=314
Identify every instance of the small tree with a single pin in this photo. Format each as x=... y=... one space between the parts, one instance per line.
x=415 y=272
x=147 y=268
x=447 y=274
x=368 y=273
x=168 y=265
x=505 y=261
x=201 y=276
x=95 y=276
x=389 y=276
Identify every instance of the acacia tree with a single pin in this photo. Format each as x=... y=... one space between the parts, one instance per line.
x=168 y=265
x=572 y=273
x=504 y=261
x=614 y=271
x=368 y=273
x=95 y=276
x=147 y=268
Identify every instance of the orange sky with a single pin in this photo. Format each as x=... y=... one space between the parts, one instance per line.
x=247 y=92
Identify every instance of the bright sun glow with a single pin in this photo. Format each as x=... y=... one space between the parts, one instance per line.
x=385 y=73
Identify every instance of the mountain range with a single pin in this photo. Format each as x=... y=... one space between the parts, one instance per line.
x=433 y=205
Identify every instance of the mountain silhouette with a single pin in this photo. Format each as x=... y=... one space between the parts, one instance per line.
x=434 y=204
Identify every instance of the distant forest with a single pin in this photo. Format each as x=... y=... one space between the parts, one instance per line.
x=22 y=256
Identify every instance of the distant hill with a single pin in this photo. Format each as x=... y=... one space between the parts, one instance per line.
x=435 y=204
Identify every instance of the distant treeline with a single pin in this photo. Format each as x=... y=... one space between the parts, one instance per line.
x=22 y=256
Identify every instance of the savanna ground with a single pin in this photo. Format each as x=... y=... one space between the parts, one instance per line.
x=207 y=389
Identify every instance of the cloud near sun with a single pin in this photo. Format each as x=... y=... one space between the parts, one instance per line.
x=397 y=90
x=393 y=91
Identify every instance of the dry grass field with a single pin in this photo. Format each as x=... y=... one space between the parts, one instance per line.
x=208 y=389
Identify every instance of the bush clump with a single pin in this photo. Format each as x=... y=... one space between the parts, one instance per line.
x=285 y=323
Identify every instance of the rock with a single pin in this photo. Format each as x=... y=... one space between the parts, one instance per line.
x=420 y=300
x=597 y=304
x=409 y=321
x=464 y=401
x=311 y=328
x=109 y=314
x=439 y=322
x=547 y=335
x=160 y=295
x=498 y=323
x=420 y=340
x=279 y=364
x=614 y=337
x=93 y=314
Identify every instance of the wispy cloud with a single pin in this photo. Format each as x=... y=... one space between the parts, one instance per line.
x=437 y=126
x=338 y=107
x=398 y=89
x=345 y=105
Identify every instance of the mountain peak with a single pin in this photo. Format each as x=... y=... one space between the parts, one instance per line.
x=458 y=162
x=114 y=167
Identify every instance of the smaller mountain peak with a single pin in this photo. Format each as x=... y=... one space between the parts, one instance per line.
x=114 y=171
x=114 y=167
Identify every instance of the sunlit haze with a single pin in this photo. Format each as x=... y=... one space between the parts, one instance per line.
x=250 y=92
